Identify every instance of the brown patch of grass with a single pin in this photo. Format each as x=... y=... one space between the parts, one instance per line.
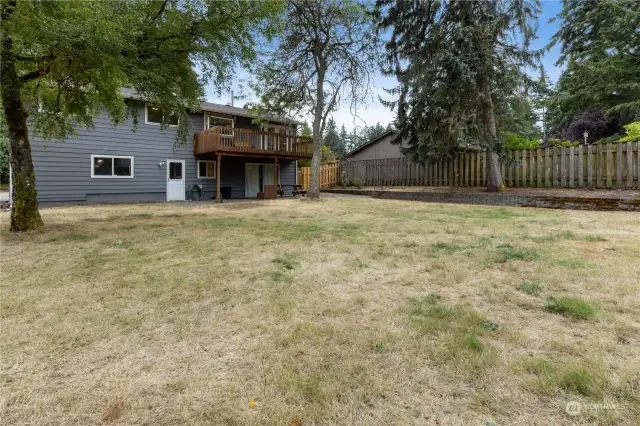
x=114 y=411
x=319 y=312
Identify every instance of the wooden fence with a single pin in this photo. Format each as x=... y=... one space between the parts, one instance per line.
x=594 y=166
x=329 y=175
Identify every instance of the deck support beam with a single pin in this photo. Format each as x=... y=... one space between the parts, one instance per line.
x=218 y=164
x=275 y=170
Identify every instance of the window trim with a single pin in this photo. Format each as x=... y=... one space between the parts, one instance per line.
x=153 y=123
x=208 y=115
x=113 y=176
x=214 y=169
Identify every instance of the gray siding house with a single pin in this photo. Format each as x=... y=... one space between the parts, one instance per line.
x=115 y=164
x=377 y=148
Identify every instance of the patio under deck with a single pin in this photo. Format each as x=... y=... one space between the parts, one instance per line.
x=228 y=141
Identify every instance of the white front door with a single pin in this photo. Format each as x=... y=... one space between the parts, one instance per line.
x=251 y=180
x=175 y=180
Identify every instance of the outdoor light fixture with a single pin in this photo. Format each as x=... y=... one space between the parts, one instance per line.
x=161 y=163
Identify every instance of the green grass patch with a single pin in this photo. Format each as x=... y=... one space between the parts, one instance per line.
x=301 y=231
x=506 y=252
x=221 y=222
x=570 y=263
x=474 y=343
x=441 y=248
x=287 y=261
x=571 y=307
x=72 y=236
x=594 y=238
x=552 y=378
x=141 y=215
x=454 y=333
x=530 y=287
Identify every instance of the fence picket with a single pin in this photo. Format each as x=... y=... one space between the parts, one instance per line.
x=619 y=165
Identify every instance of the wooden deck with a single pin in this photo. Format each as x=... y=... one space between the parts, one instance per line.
x=245 y=142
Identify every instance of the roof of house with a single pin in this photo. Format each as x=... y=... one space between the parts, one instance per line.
x=372 y=141
x=213 y=107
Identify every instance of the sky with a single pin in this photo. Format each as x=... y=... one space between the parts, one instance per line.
x=373 y=112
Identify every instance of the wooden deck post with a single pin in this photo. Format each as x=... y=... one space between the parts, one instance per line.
x=275 y=170
x=219 y=162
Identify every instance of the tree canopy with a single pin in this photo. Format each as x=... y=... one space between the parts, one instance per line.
x=326 y=53
x=64 y=62
x=460 y=68
x=601 y=50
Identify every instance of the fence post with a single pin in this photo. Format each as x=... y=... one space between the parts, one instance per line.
x=629 y=165
x=609 y=166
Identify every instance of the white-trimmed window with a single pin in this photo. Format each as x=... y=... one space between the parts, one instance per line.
x=206 y=169
x=154 y=115
x=215 y=121
x=111 y=166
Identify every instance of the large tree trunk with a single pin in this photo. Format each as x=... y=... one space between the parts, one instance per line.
x=494 y=178
x=24 y=207
x=314 y=184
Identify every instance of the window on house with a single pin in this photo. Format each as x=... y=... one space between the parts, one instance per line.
x=107 y=166
x=154 y=115
x=175 y=170
x=213 y=121
x=206 y=169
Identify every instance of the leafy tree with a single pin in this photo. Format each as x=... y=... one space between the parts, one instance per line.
x=327 y=52
x=459 y=64
x=594 y=122
x=64 y=62
x=600 y=42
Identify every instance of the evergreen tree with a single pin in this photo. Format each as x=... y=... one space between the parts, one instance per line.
x=332 y=138
x=543 y=92
x=459 y=63
x=600 y=44
x=306 y=130
x=344 y=138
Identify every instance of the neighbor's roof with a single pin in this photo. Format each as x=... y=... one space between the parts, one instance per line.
x=219 y=108
x=372 y=141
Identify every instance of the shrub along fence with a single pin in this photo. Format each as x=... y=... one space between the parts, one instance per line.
x=329 y=175
x=613 y=165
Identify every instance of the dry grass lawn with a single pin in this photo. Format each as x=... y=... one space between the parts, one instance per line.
x=344 y=311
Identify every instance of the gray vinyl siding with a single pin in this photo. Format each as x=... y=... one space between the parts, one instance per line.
x=380 y=149
x=63 y=169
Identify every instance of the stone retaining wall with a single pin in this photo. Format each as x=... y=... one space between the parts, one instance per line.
x=544 y=201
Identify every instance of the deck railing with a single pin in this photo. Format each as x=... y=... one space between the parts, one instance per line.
x=247 y=141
